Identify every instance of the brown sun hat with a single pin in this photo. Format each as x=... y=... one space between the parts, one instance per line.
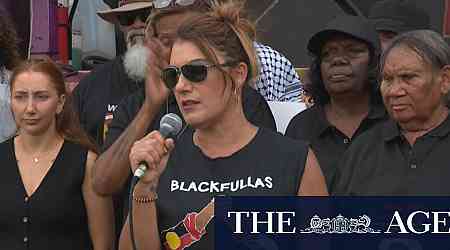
x=124 y=6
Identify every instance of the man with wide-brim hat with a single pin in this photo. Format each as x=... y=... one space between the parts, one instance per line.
x=125 y=6
x=130 y=15
x=99 y=94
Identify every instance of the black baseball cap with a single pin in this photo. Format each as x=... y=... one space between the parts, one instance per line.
x=357 y=27
x=398 y=16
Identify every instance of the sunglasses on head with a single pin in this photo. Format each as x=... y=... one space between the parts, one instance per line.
x=158 y=4
x=195 y=72
x=128 y=18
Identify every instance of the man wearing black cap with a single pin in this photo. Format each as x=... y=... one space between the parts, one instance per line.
x=392 y=17
x=344 y=88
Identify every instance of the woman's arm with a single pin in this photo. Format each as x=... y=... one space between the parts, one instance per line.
x=145 y=223
x=154 y=150
x=312 y=182
x=99 y=211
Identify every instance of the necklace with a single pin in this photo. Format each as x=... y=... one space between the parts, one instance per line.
x=37 y=160
x=45 y=156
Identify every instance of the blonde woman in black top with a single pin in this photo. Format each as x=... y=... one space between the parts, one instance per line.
x=48 y=201
x=222 y=152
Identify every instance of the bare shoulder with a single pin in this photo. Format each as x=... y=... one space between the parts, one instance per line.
x=90 y=160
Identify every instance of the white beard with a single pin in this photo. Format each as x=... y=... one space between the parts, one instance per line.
x=135 y=62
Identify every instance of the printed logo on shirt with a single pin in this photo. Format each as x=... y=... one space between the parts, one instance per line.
x=111 y=108
x=190 y=230
x=219 y=187
x=108 y=119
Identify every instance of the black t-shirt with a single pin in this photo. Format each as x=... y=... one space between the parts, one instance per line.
x=328 y=143
x=270 y=164
x=255 y=108
x=382 y=162
x=96 y=98
x=97 y=95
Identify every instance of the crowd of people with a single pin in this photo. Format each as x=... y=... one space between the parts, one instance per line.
x=9 y=58
x=379 y=124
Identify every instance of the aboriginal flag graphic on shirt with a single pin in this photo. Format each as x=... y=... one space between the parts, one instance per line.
x=189 y=230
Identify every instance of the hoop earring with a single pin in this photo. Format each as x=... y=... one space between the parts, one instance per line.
x=236 y=96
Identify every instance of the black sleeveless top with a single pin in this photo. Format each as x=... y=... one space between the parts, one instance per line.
x=270 y=165
x=54 y=216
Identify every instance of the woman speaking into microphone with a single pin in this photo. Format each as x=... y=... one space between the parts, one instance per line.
x=221 y=153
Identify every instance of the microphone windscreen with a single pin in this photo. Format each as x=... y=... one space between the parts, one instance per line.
x=170 y=125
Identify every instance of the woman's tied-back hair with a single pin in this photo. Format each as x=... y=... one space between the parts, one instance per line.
x=199 y=6
x=67 y=123
x=226 y=30
x=9 y=43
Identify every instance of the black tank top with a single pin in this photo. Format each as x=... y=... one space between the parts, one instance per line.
x=270 y=165
x=54 y=216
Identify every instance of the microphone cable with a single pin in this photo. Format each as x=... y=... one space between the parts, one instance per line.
x=134 y=181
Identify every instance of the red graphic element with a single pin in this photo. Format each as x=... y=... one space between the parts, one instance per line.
x=62 y=17
x=446 y=25
x=189 y=222
x=191 y=236
x=190 y=230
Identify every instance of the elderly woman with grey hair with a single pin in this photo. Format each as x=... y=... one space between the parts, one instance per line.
x=409 y=153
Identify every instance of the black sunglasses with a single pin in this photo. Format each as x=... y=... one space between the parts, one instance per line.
x=193 y=71
x=128 y=18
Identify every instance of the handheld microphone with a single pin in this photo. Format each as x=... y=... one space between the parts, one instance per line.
x=169 y=126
